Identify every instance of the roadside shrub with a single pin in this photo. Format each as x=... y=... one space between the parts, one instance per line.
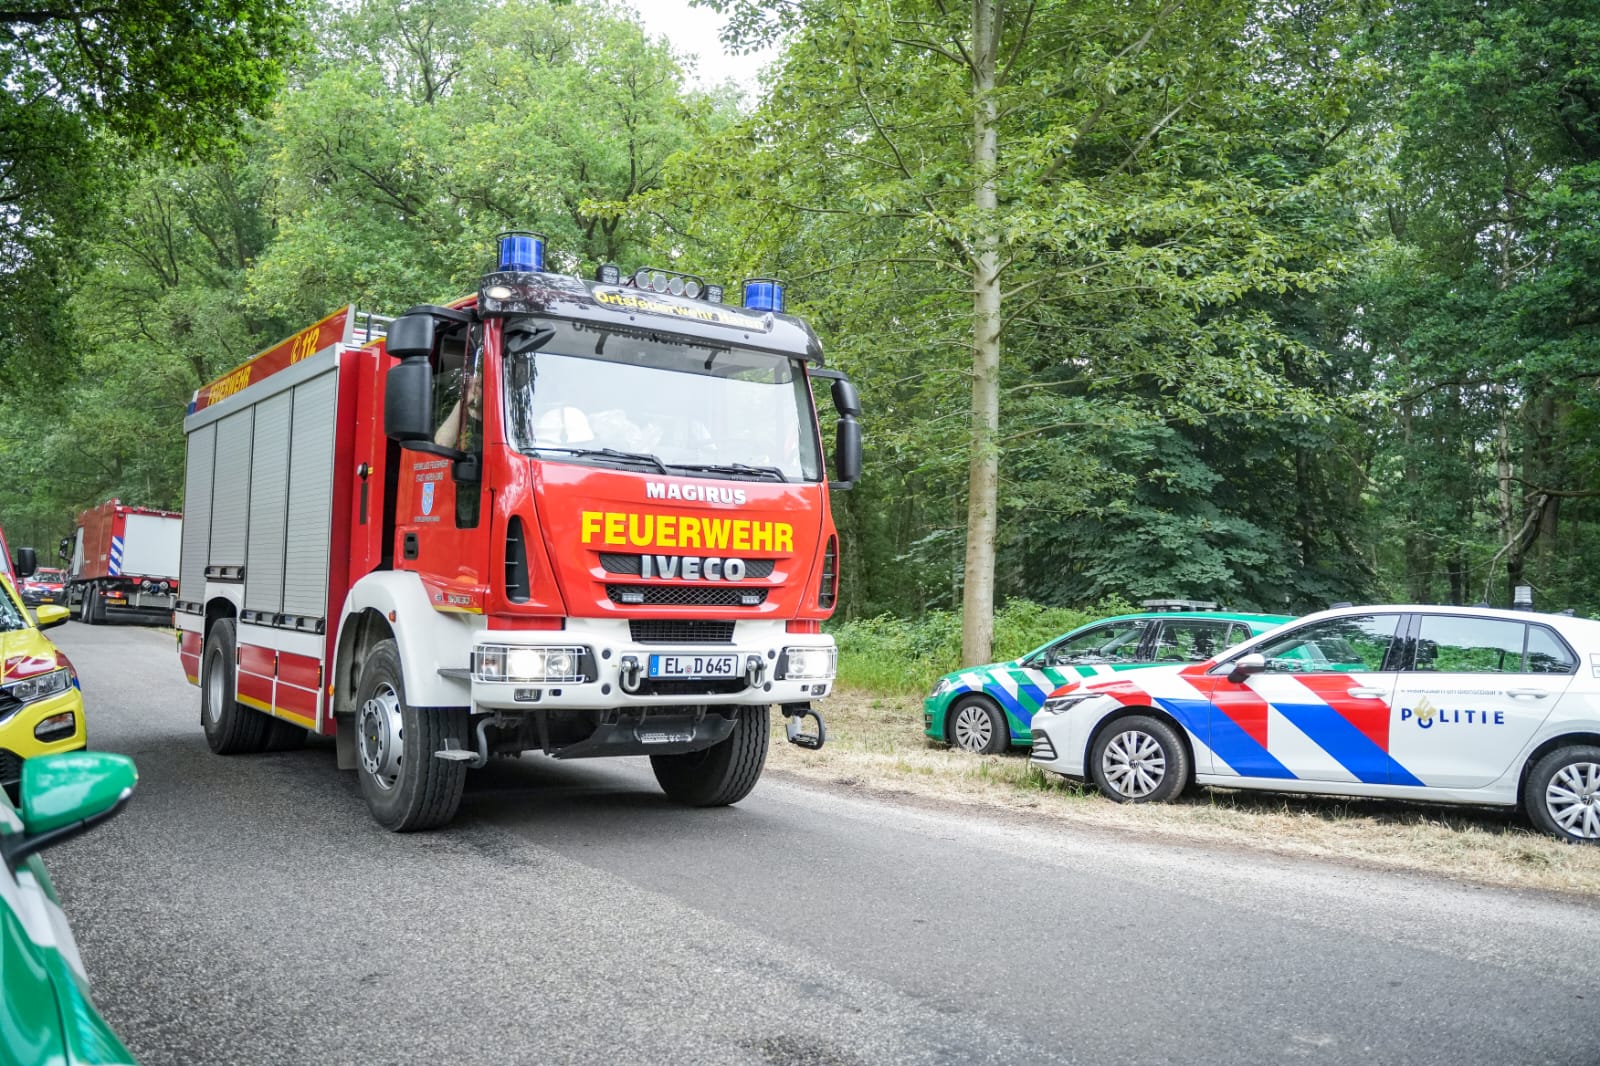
x=896 y=656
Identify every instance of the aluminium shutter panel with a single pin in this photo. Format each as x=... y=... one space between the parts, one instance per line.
x=310 y=518
x=197 y=513
x=269 y=502
x=230 y=498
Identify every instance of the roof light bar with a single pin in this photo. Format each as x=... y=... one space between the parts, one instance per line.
x=670 y=281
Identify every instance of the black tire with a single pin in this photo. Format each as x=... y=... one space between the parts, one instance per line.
x=978 y=726
x=1139 y=760
x=284 y=736
x=91 y=606
x=1562 y=794
x=231 y=727
x=406 y=788
x=723 y=773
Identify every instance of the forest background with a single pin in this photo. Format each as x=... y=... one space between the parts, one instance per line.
x=1269 y=304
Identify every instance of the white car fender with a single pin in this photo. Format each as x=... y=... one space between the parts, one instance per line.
x=429 y=640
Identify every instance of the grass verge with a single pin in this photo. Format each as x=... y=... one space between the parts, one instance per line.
x=876 y=743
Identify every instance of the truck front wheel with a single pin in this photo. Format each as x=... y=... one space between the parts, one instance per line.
x=723 y=773
x=231 y=728
x=405 y=786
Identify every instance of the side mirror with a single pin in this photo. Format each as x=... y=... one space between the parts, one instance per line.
x=408 y=402
x=1245 y=666
x=64 y=795
x=49 y=616
x=413 y=336
x=27 y=562
x=847 y=435
x=64 y=549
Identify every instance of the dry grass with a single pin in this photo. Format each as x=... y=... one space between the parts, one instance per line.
x=876 y=743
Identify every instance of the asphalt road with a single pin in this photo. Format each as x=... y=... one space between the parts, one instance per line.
x=246 y=910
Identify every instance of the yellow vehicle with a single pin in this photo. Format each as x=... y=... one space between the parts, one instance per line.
x=41 y=703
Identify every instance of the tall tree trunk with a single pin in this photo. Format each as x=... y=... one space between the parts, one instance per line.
x=983 y=473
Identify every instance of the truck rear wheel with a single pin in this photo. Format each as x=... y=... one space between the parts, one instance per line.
x=405 y=786
x=91 y=606
x=723 y=773
x=231 y=727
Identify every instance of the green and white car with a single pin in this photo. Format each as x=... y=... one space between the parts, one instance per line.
x=988 y=709
x=46 y=1015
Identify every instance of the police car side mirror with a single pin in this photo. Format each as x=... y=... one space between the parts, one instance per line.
x=1246 y=665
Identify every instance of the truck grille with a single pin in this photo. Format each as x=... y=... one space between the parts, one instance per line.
x=628 y=565
x=685 y=596
x=672 y=631
x=699 y=687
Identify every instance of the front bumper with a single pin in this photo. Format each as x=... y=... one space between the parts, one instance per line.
x=1059 y=741
x=933 y=712
x=611 y=670
x=17 y=739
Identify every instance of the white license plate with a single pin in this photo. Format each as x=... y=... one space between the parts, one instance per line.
x=694 y=665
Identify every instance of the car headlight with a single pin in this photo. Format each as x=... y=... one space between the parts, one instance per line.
x=499 y=662
x=1062 y=704
x=806 y=664
x=944 y=685
x=40 y=686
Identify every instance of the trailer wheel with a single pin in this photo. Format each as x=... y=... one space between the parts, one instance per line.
x=723 y=773
x=405 y=786
x=231 y=727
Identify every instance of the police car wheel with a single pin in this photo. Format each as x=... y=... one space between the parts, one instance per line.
x=978 y=726
x=231 y=728
x=1562 y=794
x=405 y=786
x=1139 y=760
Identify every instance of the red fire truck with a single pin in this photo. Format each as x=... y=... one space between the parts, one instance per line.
x=122 y=562
x=586 y=518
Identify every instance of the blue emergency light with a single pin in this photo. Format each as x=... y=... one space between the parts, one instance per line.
x=522 y=251
x=763 y=294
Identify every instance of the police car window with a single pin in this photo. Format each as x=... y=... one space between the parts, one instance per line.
x=1190 y=642
x=1547 y=654
x=1455 y=644
x=1358 y=644
x=1115 y=642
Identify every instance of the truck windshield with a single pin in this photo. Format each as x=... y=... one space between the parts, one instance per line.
x=644 y=399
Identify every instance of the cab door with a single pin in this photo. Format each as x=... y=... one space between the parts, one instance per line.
x=1478 y=689
x=1321 y=709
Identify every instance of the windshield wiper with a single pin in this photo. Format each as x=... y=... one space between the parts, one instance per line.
x=609 y=453
x=733 y=468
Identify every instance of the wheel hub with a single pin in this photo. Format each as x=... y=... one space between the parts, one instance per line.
x=380 y=737
x=1134 y=764
x=214 y=693
x=1573 y=799
x=973 y=731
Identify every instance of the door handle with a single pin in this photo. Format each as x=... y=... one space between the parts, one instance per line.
x=1527 y=693
x=1369 y=693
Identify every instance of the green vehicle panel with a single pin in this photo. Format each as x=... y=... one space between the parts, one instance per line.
x=46 y=1015
x=1125 y=642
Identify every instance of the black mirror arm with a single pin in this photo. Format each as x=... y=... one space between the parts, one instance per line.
x=18 y=847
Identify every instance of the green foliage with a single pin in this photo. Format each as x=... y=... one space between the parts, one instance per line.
x=891 y=655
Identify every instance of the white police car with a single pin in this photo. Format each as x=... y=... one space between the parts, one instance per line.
x=1445 y=704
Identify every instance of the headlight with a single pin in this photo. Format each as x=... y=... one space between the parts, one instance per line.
x=945 y=684
x=806 y=664
x=41 y=686
x=1062 y=704
x=499 y=662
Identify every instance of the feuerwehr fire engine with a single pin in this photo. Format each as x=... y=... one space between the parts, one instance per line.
x=584 y=517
